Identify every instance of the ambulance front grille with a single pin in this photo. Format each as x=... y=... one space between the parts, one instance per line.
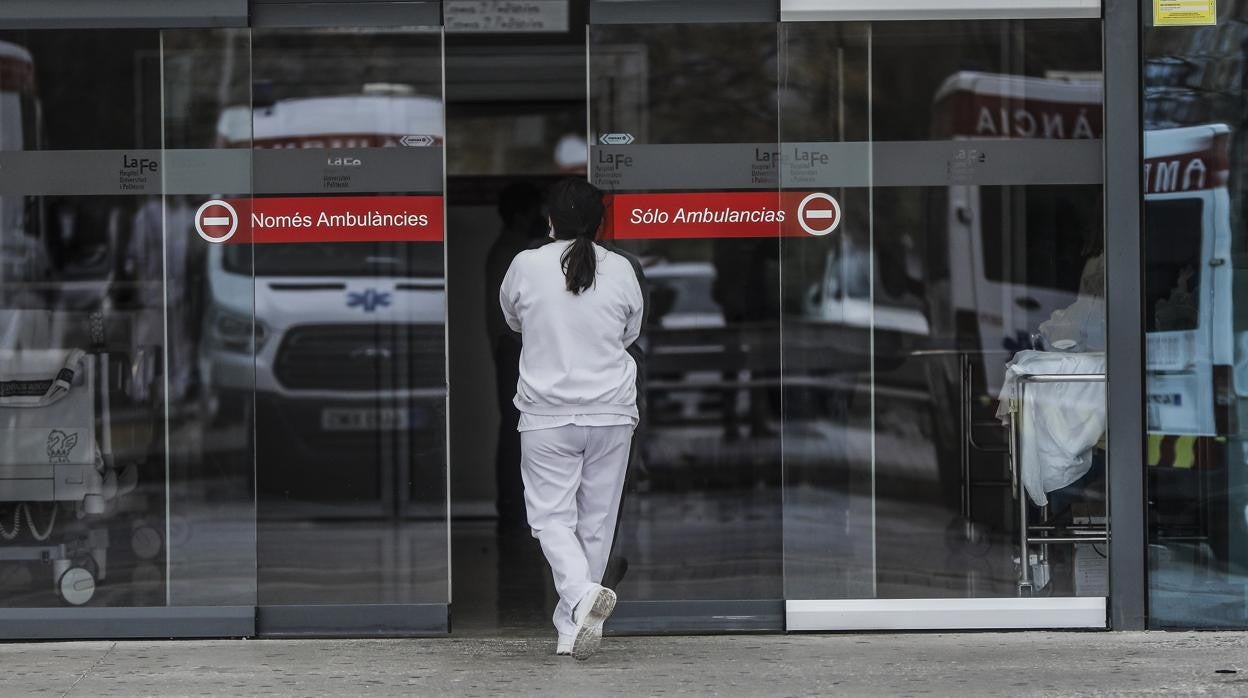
x=363 y=357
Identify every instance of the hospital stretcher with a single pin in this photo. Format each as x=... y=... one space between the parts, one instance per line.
x=1034 y=527
x=1042 y=534
x=58 y=474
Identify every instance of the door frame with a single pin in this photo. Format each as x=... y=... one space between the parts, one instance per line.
x=1125 y=607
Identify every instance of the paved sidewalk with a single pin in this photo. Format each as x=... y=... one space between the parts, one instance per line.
x=1041 y=664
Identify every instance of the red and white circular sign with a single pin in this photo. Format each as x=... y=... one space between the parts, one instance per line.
x=819 y=213
x=216 y=221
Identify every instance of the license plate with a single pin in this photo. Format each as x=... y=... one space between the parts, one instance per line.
x=364 y=419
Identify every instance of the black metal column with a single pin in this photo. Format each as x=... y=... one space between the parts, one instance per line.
x=1124 y=142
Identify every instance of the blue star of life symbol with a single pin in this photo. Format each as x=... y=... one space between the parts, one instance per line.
x=369 y=300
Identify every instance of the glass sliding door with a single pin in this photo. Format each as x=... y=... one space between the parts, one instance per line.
x=943 y=327
x=126 y=482
x=881 y=280
x=1195 y=326
x=208 y=319
x=350 y=323
x=682 y=127
x=191 y=317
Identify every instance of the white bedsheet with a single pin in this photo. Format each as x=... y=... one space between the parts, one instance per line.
x=1062 y=422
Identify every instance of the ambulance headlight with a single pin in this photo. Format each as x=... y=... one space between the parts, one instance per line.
x=235 y=332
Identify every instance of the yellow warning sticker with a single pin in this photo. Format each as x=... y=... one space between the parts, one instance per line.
x=1185 y=13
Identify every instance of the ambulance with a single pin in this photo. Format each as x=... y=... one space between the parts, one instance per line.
x=1192 y=366
x=1196 y=361
x=1014 y=254
x=348 y=348
x=23 y=256
x=1187 y=239
x=999 y=260
x=1196 y=368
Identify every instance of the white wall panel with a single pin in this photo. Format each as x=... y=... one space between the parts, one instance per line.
x=946 y=614
x=826 y=10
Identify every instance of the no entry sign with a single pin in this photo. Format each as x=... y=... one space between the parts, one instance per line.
x=748 y=214
x=216 y=220
x=818 y=213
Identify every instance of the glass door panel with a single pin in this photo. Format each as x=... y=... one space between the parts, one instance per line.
x=826 y=292
x=966 y=160
x=350 y=307
x=1194 y=258
x=208 y=316
x=125 y=460
x=683 y=125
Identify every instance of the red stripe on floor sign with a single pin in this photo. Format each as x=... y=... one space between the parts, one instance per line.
x=327 y=219
x=749 y=214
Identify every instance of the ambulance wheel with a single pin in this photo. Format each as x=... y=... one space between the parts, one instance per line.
x=76 y=586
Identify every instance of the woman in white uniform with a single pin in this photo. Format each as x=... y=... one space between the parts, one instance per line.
x=577 y=307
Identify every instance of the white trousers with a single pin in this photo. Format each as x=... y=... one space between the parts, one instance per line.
x=573 y=481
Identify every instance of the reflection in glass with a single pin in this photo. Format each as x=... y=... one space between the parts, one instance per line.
x=349 y=335
x=211 y=453
x=121 y=484
x=1195 y=342
x=702 y=508
x=949 y=271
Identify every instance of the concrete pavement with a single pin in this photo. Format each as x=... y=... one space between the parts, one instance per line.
x=979 y=664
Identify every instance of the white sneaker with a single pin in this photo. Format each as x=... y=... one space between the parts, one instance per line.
x=564 y=648
x=590 y=614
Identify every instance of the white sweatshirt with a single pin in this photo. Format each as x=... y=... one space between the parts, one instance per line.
x=573 y=361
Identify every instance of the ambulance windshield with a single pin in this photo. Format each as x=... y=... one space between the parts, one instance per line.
x=1172 y=242
x=1038 y=235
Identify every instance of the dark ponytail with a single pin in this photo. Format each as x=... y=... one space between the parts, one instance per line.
x=575 y=209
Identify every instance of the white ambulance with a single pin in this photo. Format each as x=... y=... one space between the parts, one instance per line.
x=999 y=260
x=348 y=351
x=1196 y=367
x=1014 y=254
x=23 y=256
x=1192 y=347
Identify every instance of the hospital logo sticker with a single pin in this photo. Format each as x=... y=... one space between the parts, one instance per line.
x=60 y=445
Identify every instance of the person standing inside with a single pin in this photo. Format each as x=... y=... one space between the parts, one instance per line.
x=577 y=307
x=520 y=206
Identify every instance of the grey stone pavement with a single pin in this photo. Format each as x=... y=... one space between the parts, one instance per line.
x=980 y=664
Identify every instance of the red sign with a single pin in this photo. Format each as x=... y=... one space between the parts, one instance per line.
x=322 y=219
x=748 y=214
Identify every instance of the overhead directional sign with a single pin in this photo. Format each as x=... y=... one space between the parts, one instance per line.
x=616 y=139
x=505 y=16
